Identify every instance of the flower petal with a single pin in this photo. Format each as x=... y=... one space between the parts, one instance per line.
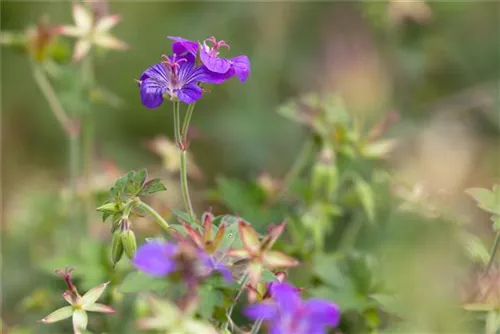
x=107 y=22
x=275 y=259
x=240 y=253
x=82 y=47
x=101 y=308
x=109 y=42
x=214 y=63
x=203 y=74
x=80 y=321
x=194 y=235
x=82 y=17
x=241 y=66
x=155 y=258
x=153 y=84
x=272 y=236
x=265 y=311
x=286 y=296
x=323 y=312
x=93 y=294
x=183 y=45
x=249 y=237
x=58 y=315
x=190 y=93
x=70 y=31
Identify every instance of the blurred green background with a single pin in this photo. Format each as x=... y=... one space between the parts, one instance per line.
x=437 y=64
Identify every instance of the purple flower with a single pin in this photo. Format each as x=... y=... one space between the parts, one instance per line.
x=288 y=313
x=209 y=56
x=182 y=45
x=177 y=78
x=158 y=258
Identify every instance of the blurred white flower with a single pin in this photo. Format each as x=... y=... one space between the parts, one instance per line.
x=91 y=30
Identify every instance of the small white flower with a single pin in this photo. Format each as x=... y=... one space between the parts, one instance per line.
x=79 y=307
x=90 y=30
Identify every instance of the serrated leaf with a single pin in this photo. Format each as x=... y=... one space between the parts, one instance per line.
x=140 y=177
x=139 y=282
x=209 y=299
x=152 y=186
x=487 y=200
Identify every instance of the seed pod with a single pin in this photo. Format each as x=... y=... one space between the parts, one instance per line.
x=129 y=243
x=116 y=247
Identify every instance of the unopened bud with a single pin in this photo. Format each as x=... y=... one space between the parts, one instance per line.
x=129 y=243
x=116 y=247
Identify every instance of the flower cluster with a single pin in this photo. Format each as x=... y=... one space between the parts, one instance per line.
x=160 y=258
x=178 y=76
x=285 y=312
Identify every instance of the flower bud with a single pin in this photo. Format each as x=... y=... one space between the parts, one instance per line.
x=129 y=243
x=116 y=247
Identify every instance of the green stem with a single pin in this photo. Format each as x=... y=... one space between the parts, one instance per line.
x=298 y=166
x=187 y=120
x=256 y=326
x=55 y=105
x=493 y=252
x=180 y=138
x=185 y=189
x=238 y=295
x=71 y=130
x=159 y=219
x=177 y=124
x=88 y=137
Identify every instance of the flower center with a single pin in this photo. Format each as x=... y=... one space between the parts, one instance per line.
x=172 y=64
x=212 y=51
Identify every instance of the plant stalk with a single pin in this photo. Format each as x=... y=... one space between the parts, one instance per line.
x=152 y=212
x=493 y=253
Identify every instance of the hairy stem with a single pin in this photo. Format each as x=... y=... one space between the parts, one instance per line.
x=177 y=124
x=152 y=212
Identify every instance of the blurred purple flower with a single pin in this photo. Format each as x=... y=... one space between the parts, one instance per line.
x=209 y=56
x=288 y=313
x=159 y=258
x=177 y=78
x=156 y=258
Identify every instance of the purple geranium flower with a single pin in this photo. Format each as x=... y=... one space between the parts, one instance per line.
x=159 y=258
x=182 y=45
x=287 y=313
x=209 y=56
x=177 y=78
x=156 y=258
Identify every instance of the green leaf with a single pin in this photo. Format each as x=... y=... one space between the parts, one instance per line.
x=209 y=299
x=366 y=196
x=152 y=186
x=139 y=178
x=231 y=234
x=487 y=200
x=268 y=276
x=139 y=282
x=184 y=216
